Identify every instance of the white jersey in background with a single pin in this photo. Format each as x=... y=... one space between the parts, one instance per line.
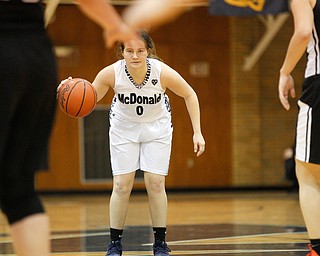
x=313 y=50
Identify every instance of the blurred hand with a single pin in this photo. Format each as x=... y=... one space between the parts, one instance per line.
x=121 y=33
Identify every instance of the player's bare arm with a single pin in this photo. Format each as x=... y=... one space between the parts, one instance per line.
x=172 y=80
x=103 y=81
x=303 y=23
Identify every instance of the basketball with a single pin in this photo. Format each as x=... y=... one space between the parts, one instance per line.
x=77 y=97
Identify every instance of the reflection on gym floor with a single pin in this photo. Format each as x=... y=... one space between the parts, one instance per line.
x=203 y=223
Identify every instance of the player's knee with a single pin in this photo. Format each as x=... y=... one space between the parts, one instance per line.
x=122 y=188
x=17 y=208
x=155 y=184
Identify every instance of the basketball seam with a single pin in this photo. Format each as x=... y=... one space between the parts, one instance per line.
x=83 y=96
x=69 y=95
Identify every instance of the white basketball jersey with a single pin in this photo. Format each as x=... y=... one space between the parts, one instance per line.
x=313 y=49
x=144 y=102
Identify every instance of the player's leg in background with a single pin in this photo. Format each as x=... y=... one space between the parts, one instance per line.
x=309 y=192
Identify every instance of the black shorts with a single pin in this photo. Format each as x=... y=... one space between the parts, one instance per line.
x=308 y=123
x=28 y=81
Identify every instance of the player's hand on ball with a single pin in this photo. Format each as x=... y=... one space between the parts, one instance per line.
x=62 y=83
x=76 y=97
x=199 y=143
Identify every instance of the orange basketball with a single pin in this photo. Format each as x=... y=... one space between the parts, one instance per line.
x=77 y=97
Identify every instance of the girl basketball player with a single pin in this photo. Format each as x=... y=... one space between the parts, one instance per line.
x=306 y=15
x=141 y=131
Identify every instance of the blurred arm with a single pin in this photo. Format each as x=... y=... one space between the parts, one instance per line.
x=104 y=14
x=146 y=13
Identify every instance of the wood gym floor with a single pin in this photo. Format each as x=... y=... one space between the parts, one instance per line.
x=231 y=223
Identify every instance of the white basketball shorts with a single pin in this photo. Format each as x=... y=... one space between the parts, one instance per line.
x=145 y=146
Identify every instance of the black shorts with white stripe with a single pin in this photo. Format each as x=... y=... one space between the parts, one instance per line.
x=308 y=123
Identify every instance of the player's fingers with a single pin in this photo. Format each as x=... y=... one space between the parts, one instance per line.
x=63 y=82
x=200 y=151
x=293 y=93
x=109 y=40
x=195 y=147
x=284 y=101
x=199 y=148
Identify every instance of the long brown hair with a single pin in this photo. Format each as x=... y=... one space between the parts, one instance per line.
x=150 y=46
